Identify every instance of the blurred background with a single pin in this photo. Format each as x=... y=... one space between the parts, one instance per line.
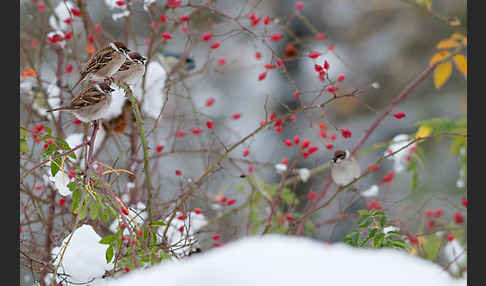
x=386 y=42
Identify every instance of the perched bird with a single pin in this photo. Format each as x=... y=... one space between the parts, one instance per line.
x=344 y=168
x=104 y=63
x=132 y=70
x=90 y=103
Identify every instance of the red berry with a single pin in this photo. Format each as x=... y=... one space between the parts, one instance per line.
x=332 y=89
x=246 y=152
x=69 y=68
x=323 y=133
x=297 y=94
x=464 y=202
x=278 y=129
x=182 y=217
x=127 y=269
x=341 y=78
x=197 y=211
x=458 y=218
x=318 y=68
x=437 y=212
x=293 y=118
x=329 y=146
x=284 y=161
x=210 y=101
x=388 y=178
x=299 y=6
x=184 y=18
x=140 y=232
x=68 y=21
x=262 y=76
x=124 y=210
x=91 y=39
x=251 y=168
x=333 y=136
x=266 y=20
x=41 y=6
x=279 y=63
x=62 y=202
x=276 y=37
x=288 y=142
x=429 y=213
x=223 y=199
x=236 y=116
x=413 y=239
x=296 y=139
x=122 y=225
x=216 y=237
x=98 y=28
x=230 y=202
x=217 y=244
x=269 y=66
x=273 y=116
x=196 y=131
x=163 y=18
x=289 y=217
x=258 y=55
x=399 y=115
x=76 y=12
x=173 y=3
x=314 y=55
x=320 y=37
x=346 y=133
x=326 y=65
x=312 y=195
x=68 y=35
x=178 y=172
x=209 y=124
x=215 y=45
x=207 y=36
x=450 y=237
x=431 y=224
x=77 y=121
x=331 y=47
x=166 y=36
x=305 y=143
x=180 y=133
x=312 y=149
x=159 y=148
x=374 y=204
x=120 y=3
x=221 y=61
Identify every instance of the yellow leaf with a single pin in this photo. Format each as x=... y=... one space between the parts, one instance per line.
x=442 y=73
x=423 y=131
x=457 y=36
x=447 y=44
x=461 y=64
x=439 y=56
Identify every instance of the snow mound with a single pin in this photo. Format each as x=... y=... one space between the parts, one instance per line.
x=283 y=260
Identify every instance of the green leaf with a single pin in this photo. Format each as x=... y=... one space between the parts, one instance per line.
x=76 y=196
x=382 y=221
x=84 y=210
x=432 y=246
x=109 y=239
x=414 y=184
x=55 y=166
x=363 y=218
x=24 y=148
x=158 y=223
x=109 y=254
x=363 y=212
x=94 y=211
x=378 y=239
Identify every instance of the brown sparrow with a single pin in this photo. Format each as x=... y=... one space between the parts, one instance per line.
x=132 y=70
x=90 y=103
x=344 y=168
x=104 y=63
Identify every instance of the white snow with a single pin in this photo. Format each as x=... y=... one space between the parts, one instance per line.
x=280 y=168
x=290 y=261
x=136 y=216
x=400 y=158
x=371 y=192
x=455 y=255
x=61 y=180
x=118 y=99
x=155 y=76
x=304 y=174
x=62 y=11
x=84 y=258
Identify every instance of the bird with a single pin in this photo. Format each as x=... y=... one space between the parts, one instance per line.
x=132 y=70
x=344 y=168
x=170 y=59
x=90 y=104
x=104 y=63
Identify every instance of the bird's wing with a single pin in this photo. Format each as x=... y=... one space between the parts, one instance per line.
x=87 y=97
x=98 y=61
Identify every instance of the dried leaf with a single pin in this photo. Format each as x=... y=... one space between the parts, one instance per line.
x=447 y=44
x=90 y=49
x=28 y=72
x=461 y=64
x=438 y=56
x=442 y=73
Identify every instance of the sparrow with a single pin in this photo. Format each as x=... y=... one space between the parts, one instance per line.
x=344 y=168
x=90 y=104
x=104 y=63
x=132 y=70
